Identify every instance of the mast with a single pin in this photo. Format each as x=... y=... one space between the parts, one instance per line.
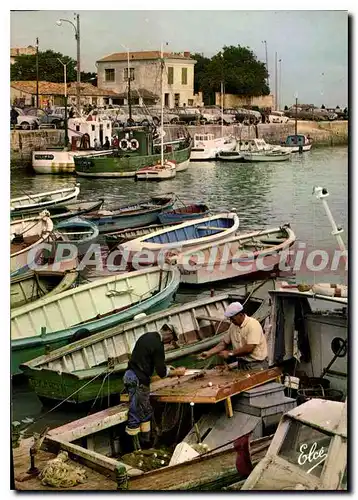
x=161 y=106
x=222 y=109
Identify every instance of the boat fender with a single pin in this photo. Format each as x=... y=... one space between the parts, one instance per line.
x=134 y=144
x=123 y=144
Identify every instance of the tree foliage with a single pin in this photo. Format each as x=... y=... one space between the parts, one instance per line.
x=50 y=68
x=237 y=67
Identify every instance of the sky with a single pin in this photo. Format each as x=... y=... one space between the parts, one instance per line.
x=312 y=45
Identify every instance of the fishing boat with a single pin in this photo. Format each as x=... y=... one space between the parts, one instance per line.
x=136 y=149
x=182 y=214
x=72 y=209
x=82 y=133
x=32 y=285
x=245 y=146
x=159 y=172
x=274 y=155
x=79 y=232
x=207 y=147
x=179 y=238
x=295 y=143
x=53 y=321
x=117 y=237
x=26 y=235
x=308 y=451
x=37 y=202
x=236 y=257
x=132 y=215
x=199 y=325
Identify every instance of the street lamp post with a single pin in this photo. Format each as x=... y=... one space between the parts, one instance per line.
x=279 y=82
x=77 y=37
x=37 y=72
x=65 y=83
x=268 y=81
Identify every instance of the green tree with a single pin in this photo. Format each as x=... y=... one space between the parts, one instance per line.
x=50 y=68
x=240 y=71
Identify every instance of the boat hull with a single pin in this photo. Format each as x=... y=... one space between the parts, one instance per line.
x=35 y=203
x=56 y=162
x=253 y=158
x=124 y=167
x=57 y=384
x=120 y=307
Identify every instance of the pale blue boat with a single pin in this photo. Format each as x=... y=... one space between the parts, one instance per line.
x=53 y=322
x=77 y=231
x=129 y=216
x=183 y=214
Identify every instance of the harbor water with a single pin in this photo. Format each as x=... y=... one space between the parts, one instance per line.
x=263 y=195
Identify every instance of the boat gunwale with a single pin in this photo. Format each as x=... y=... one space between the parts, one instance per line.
x=73 y=192
x=45 y=233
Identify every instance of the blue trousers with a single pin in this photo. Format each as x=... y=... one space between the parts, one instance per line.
x=140 y=409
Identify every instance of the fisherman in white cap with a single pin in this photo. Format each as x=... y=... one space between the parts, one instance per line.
x=246 y=338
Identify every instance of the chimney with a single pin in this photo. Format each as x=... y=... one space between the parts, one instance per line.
x=186 y=54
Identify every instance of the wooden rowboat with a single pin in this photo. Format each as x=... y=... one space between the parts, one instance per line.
x=133 y=215
x=25 y=237
x=199 y=326
x=96 y=306
x=77 y=231
x=71 y=209
x=117 y=237
x=184 y=214
x=238 y=256
x=180 y=238
x=31 y=285
x=37 y=202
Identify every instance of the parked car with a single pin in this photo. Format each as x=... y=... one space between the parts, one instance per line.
x=35 y=117
x=189 y=115
x=277 y=117
x=248 y=116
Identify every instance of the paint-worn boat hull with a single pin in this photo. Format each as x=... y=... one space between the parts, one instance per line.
x=50 y=379
x=96 y=306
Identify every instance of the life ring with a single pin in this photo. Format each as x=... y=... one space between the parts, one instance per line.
x=124 y=144
x=134 y=144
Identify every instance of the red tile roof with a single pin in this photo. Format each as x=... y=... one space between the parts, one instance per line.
x=145 y=55
x=51 y=88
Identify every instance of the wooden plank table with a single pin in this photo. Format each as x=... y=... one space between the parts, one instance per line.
x=209 y=386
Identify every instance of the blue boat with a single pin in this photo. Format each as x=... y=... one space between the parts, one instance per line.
x=55 y=321
x=133 y=215
x=294 y=143
x=183 y=214
x=81 y=233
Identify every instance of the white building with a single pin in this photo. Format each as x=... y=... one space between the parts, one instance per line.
x=178 y=78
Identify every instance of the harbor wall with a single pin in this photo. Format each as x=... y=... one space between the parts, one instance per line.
x=23 y=142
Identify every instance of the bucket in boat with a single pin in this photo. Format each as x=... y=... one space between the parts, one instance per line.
x=304 y=395
x=312 y=382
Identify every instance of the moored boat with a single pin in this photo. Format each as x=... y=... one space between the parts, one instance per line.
x=207 y=147
x=26 y=235
x=199 y=325
x=32 y=285
x=246 y=146
x=265 y=156
x=180 y=237
x=131 y=215
x=182 y=214
x=52 y=322
x=117 y=237
x=77 y=231
x=158 y=172
x=31 y=203
x=295 y=143
x=238 y=256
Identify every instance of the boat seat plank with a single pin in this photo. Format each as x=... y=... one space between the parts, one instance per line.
x=75 y=233
x=212 y=228
x=211 y=318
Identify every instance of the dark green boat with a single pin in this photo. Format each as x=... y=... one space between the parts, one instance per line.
x=136 y=149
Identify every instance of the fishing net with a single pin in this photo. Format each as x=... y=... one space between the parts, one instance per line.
x=59 y=474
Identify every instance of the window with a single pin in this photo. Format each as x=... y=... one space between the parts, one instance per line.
x=166 y=100
x=305 y=447
x=125 y=74
x=176 y=100
x=184 y=76
x=170 y=76
x=109 y=75
x=190 y=102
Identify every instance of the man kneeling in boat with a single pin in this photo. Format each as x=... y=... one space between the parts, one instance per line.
x=148 y=354
x=245 y=335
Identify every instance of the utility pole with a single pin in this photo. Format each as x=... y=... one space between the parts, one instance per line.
x=77 y=36
x=65 y=83
x=37 y=72
x=279 y=82
x=276 y=82
x=296 y=116
x=268 y=80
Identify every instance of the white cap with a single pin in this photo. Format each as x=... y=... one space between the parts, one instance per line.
x=233 y=309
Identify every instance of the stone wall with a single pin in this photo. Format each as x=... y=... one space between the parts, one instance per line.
x=233 y=100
